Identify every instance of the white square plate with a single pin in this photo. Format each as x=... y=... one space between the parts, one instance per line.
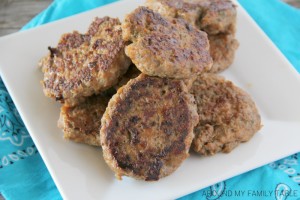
x=80 y=172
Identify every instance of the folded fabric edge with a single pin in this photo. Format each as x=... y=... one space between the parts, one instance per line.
x=56 y=11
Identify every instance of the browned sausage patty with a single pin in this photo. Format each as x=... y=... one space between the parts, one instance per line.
x=222 y=51
x=211 y=16
x=85 y=64
x=216 y=17
x=82 y=122
x=147 y=128
x=164 y=48
x=227 y=115
x=219 y=16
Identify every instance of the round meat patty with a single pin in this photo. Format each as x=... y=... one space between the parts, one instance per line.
x=216 y=17
x=222 y=51
x=147 y=128
x=211 y=16
x=227 y=115
x=219 y=16
x=165 y=48
x=82 y=122
x=85 y=64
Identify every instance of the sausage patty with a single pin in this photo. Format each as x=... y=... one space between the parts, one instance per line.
x=85 y=64
x=227 y=115
x=82 y=122
x=147 y=128
x=216 y=17
x=222 y=51
x=173 y=49
x=219 y=16
x=211 y=16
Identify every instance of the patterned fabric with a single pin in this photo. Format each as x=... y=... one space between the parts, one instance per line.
x=12 y=128
x=278 y=180
x=23 y=174
x=14 y=136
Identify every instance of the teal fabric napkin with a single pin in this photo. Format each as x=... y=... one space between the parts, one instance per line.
x=23 y=174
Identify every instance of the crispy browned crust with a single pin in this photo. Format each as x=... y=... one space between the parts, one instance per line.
x=216 y=17
x=85 y=64
x=82 y=123
x=227 y=115
x=222 y=51
x=165 y=48
x=211 y=16
x=147 y=128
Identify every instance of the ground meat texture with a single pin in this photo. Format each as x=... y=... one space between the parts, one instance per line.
x=147 y=128
x=85 y=64
x=165 y=48
x=82 y=122
x=211 y=16
x=227 y=115
x=185 y=9
x=219 y=17
x=216 y=17
x=222 y=51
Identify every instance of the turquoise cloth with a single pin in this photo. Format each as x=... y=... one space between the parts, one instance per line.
x=23 y=174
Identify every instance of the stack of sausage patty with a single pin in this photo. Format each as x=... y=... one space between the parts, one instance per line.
x=146 y=90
